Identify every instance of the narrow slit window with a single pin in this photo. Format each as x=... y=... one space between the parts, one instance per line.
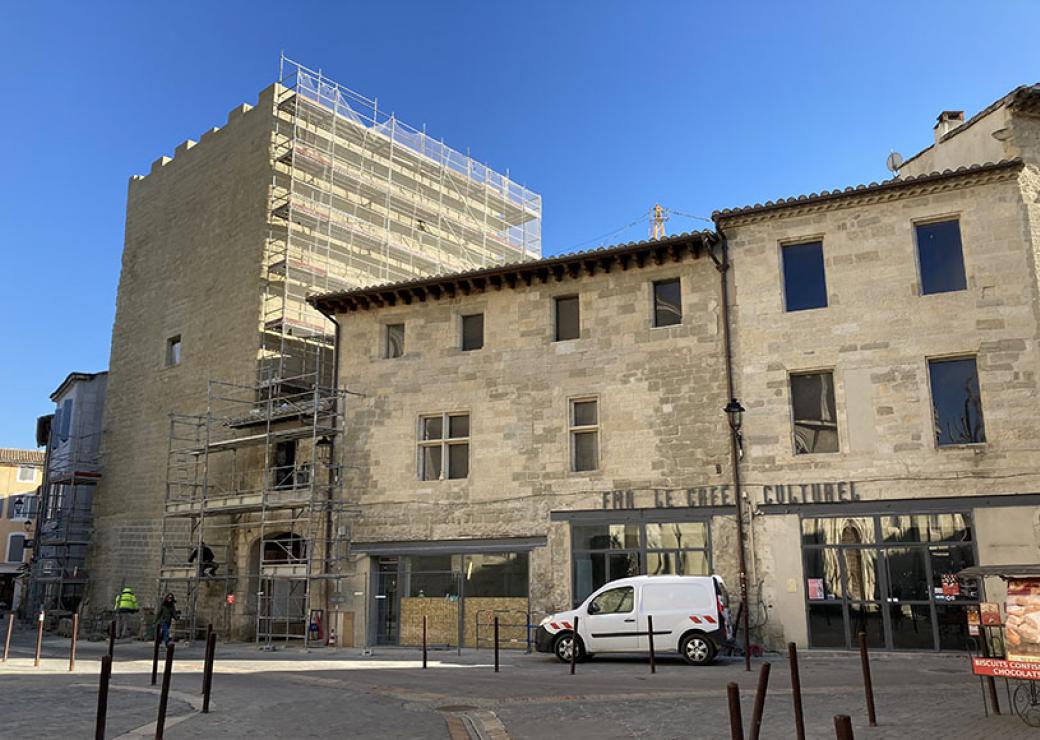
x=568 y=318
x=815 y=420
x=472 y=332
x=393 y=341
x=667 y=302
x=584 y=434
x=940 y=257
x=956 y=402
x=173 y=351
x=805 y=283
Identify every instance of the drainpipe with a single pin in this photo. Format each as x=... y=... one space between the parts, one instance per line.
x=723 y=267
x=327 y=565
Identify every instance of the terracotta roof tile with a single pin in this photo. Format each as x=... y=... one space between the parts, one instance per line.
x=9 y=456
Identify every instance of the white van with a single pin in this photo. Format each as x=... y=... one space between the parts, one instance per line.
x=690 y=613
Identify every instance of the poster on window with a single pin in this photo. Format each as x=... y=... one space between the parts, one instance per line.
x=974 y=620
x=990 y=613
x=816 y=589
x=1022 y=629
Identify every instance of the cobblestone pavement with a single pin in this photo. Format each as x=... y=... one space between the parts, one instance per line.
x=325 y=693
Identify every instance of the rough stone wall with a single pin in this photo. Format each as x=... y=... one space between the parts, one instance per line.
x=876 y=335
x=660 y=390
x=195 y=232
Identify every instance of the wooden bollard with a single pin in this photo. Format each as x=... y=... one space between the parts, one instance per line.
x=75 y=637
x=796 y=691
x=843 y=726
x=102 y=697
x=164 y=693
x=155 y=653
x=39 y=639
x=207 y=672
x=424 y=641
x=574 y=646
x=868 y=686
x=496 y=644
x=7 y=640
x=736 y=722
x=650 y=637
x=760 y=701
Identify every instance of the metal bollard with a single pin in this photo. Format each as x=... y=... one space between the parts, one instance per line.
x=496 y=644
x=736 y=722
x=574 y=646
x=650 y=637
x=796 y=691
x=155 y=653
x=991 y=684
x=39 y=639
x=868 y=686
x=102 y=697
x=843 y=727
x=760 y=701
x=424 y=641
x=111 y=637
x=75 y=637
x=207 y=672
x=7 y=640
x=164 y=693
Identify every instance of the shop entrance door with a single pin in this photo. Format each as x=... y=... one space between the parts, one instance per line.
x=388 y=603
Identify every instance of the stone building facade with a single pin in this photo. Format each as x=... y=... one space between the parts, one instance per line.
x=885 y=346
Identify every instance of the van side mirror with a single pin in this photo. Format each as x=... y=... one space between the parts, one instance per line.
x=593 y=608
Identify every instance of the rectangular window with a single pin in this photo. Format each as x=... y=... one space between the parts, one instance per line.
x=173 y=351
x=667 y=302
x=815 y=421
x=443 y=446
x=21 y=507
x=15 y=548
x=568 y=318
x=940 y=257
x=472 y=332
x=956 y=402
x=393 y=341
x=805 y=285
x=584 y=433
x=26 y=474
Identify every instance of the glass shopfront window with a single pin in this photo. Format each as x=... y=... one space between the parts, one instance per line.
x=601 y=553
x=890 y=576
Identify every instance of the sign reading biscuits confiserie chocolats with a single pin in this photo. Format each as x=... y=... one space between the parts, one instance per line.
x=1022 y=625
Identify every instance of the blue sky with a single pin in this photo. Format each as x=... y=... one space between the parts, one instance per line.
x=603 y=107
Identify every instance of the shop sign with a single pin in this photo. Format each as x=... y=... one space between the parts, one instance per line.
x=1025 y=670
x=1022 y=628
x=722 y=495
x=974 y=620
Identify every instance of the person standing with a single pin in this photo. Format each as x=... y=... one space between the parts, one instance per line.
x=126 y=604
x=164 y=617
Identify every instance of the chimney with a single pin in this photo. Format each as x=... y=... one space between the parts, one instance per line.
x=948 y=120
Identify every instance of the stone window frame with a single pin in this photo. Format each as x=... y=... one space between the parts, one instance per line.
x=835 y=382
x=444 y=442
x=957 y=216
x=654 y=282
x=384 y=339
x=794 y=242
x=173 y=350
x=929 y=415
x=573 y=430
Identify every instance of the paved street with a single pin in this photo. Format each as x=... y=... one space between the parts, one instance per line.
x=290 y=694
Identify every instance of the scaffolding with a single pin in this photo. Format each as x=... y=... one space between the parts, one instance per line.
x=359 y=198
x=254 y=480
x=64 y=528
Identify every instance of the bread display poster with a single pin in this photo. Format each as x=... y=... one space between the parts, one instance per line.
x=1022 y=627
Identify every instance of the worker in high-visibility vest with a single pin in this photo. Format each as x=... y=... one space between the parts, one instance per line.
x=126 y=603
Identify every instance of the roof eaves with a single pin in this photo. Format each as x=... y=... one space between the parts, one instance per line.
x=857 y=190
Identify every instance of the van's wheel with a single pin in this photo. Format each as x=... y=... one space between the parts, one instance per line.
x=563 y=645
x=697 y=649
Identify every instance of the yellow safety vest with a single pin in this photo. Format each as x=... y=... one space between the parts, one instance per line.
x=126 y=600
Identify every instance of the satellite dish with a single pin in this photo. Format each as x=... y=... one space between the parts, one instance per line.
x=894 y=162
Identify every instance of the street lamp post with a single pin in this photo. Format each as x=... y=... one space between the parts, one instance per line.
x=735 y=416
